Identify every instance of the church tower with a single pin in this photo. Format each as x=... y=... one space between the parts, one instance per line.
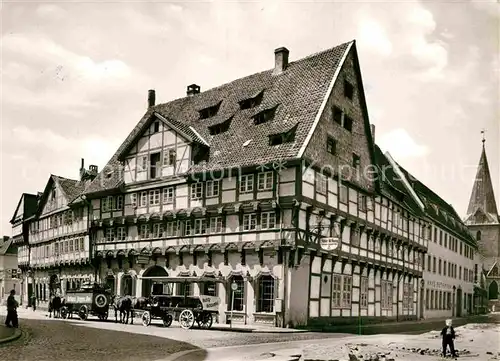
x=483 y=221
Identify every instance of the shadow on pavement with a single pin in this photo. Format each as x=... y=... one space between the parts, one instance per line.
x=49 y=340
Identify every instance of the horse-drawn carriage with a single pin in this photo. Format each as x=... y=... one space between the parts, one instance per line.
x=185 y=309
x=90 y=299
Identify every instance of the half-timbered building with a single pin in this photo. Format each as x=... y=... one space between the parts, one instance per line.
x=59 y=247
x=450 y=266
x=245 y=182
x=25 y=210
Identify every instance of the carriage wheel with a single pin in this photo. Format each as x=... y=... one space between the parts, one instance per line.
x=64 y=312
x=205 y=320
x=186 y=319
x=83 y=312
x=146 y=318
x=167 y=320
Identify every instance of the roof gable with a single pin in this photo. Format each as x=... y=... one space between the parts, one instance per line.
x=66 y=191
x=6 y=247
x=26 y=207
x=297 y=92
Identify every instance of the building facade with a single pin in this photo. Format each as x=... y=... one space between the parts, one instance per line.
x=483 y=221
x=56 y=256
x=243 y=182
x=25 y=210
x=8 y=270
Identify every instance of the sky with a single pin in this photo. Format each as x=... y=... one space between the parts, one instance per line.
x=75 y=77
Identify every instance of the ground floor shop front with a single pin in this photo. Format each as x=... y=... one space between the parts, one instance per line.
x=272 y=287
x=42 y=283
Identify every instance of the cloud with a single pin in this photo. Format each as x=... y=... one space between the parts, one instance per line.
x=401 y=145
x=96 y=148
x=50 y=11
x=372 y=35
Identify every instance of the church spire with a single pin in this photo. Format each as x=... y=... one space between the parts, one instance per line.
x=482 y=205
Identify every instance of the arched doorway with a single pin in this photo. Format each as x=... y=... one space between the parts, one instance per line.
x=493 y=291
x=127 y=286
x=150 y=287
x=110 y=283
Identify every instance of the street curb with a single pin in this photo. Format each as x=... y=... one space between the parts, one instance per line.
x=15 y=336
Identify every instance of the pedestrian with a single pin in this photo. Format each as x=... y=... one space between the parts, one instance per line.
x=51 y=299
x=448 y=335
x=33 y=302
x=12 y=306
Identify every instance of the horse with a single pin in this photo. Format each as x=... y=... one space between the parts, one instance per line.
x=55 y=305
x=124 y=306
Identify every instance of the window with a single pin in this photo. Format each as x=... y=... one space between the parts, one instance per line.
x=157 y=230
x=196 y=191
x=169 y=158
x=156 y=127
x=120 y=233
x=249 y=222
x=133 y=199
x=364 y=292
x=144 y=163
x=344 y=194
x=171 y=229
x=144 y=199
x=434 y=264
x=252 y=102
x=154 y=197
x=82 y=245
x=210 y=111
x=264 y=116
x=362 y=202
x=354 y=237
x=321 y=182
x=110 y=234
x=187 y=228
x=348 y=90
x=216 y=225
x=119 y=202
x=56 y=249
x=439 y=267
x=70 y=247
x=104 y=205
x=265 y=298
x=444 y=268
x=268 y=220
x=144 y=231
x=168 y=195
x=213 y=188
x=407 y=296
x=237 y=296
x=200 y=226
x=348 y=123
x=331 y=145
x=341 y=292
x=355 y=160
x=184 y=289
x=286 y=137
x=154 y=170
x=265 y=181
x=246 y=183
x=221 y=127
x=386 y=299
x=337 y=115
x=428 y=263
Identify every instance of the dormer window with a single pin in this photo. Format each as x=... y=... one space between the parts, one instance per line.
x=221 y=127
x=252 y=102
x=264 y=116
x=210 y=111
x=286 y=137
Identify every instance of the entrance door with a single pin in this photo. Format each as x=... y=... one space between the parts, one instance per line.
x=422 y=302
x=459 y=302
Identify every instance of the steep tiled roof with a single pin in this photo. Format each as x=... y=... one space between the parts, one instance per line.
x=438 y=209
x=72 y=188
x=298 y=93
x=5 y=247
x=392 y=186
x=482 y=205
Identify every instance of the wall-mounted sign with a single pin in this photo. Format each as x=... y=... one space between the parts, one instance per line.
x=329 y=243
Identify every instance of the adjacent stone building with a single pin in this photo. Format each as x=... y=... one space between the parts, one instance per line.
x=8 y=269
x=483 y=221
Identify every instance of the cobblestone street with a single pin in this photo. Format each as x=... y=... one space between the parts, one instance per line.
x=44 y=340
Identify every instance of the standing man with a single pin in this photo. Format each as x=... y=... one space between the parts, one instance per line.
x=12 y=310
x=448 y=335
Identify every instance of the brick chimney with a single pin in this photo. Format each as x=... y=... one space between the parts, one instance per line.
x=82 y=169
x=373 y=132
x=280 y=60
x=151 y=98
x=192 y=90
